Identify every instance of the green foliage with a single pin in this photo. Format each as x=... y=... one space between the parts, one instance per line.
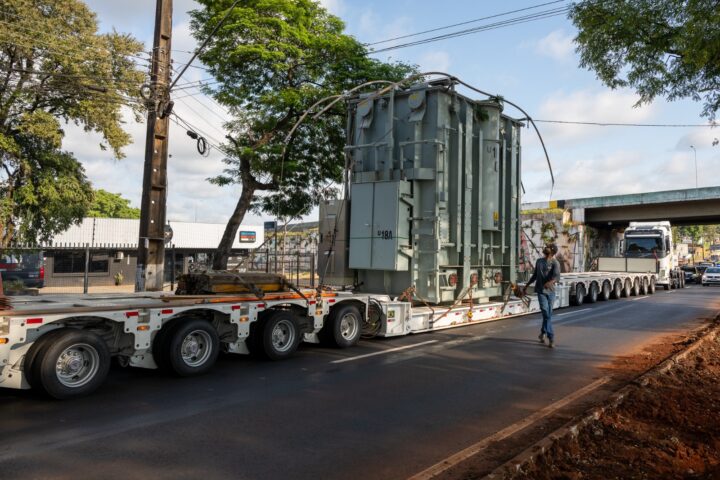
x=274 y=59
x=111 y=205
x=55 y=68
x=667 y=48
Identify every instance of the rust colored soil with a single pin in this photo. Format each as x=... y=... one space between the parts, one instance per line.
x=668 y=429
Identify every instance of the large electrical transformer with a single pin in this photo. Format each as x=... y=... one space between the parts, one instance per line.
x=433 y=197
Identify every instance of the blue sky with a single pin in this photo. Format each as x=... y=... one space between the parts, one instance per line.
x=533 y=64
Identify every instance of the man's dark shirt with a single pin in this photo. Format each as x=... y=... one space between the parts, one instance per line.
x=544 y=272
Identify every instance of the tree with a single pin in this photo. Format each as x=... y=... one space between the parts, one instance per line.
x=56 y=69
x=274 y=59
x=111 y=205
x=667 y=48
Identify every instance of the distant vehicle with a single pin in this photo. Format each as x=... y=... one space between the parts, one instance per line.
x=692 y=273
x=711 y=276
x=27 y=268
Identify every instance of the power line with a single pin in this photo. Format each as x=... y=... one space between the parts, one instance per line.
x=492 y=26
x=462 y=23
x=620 y=124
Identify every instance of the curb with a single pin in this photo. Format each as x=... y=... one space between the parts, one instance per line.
x=529 y=456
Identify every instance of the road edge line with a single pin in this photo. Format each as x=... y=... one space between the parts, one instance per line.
x=476 y=448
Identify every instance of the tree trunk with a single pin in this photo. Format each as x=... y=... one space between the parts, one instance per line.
x=222 y=253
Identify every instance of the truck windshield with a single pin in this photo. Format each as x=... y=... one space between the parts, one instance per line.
x=643 y=246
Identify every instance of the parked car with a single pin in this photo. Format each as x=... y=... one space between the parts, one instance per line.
x=28 y=268
x=711 y=276
x=692 y=273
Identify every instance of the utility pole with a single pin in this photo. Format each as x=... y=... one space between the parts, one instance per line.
x=151 y=252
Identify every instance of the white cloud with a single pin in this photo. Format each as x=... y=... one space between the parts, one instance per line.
x=435 y=61
x=557 y=45
x=375 y=28
x=700 y=138
x=336 y=7
x=607 y=106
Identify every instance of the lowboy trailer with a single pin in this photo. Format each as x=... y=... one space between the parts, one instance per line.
x=63 y=345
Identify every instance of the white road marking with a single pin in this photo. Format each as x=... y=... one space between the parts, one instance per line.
x=390 y=350
x=574 y=311
x=463 y=455
x=639 y=298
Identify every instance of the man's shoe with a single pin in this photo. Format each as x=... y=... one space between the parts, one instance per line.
x=541 y=337
x=551 y=344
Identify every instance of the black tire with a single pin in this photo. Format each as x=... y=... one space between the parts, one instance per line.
x=190 y=347
x=31 y=367
x=667 y=286
x=86 y=365
x=682 y=280
x=605 y=292
x=579 y=297
x=627 y=289
x=635 y=287
x=279 y=335
x=160 y=348
x=652 y=286
x=342 y=328
x=617 y=289
x=592 y=295
x=644 y=286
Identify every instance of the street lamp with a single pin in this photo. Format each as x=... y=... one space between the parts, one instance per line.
x=695 y=151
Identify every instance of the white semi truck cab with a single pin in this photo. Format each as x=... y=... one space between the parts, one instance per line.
x=647 y=247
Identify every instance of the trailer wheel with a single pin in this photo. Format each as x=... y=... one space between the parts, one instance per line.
x=592 y=295
x=617 y=291
x=605 y=292
x=627 y=291
x=579 y=296
x=343 y=327
x=31 y=364
x=190 y=348
x=644 y=286
x=635 y=287
x=278 y=335
x=652 y=286
x=74 y=363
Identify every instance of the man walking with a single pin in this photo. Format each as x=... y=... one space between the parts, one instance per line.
x=545 y=276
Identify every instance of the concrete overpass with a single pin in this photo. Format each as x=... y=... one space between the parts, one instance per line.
x=694 y=206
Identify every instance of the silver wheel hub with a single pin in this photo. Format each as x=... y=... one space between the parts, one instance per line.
x=283 y=335
x=77 y=365
x=196 y=348
x=348 y=326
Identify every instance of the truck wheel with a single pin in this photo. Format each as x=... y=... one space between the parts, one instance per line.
x=190 y=348
x=635 y=287
x=279 y=335
x=617 y=289
x=627 y=291
x=31 y=364
x=592 y=295
x=652 y=286
x=343 y=327
x=644 y=286
x=74 y=363
x=579 y=296
x=605 y=292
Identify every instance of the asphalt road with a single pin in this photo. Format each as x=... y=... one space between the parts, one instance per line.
x=383 y=416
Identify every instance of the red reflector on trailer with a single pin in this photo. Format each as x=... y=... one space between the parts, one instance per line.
x=31 y=321
x=167 y=312
x=260 y=305
x=235 y=307
x=132 y=314
x=331 y=300
x=311 y=302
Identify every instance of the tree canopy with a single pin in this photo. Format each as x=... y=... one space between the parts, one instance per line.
x=56 y=69
x=666 y=48
x=273 y=60
x=111 y=205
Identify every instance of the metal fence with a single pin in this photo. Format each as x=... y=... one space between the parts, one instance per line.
x=78 y=270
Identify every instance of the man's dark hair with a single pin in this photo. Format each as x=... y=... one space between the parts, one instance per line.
x=552 y=247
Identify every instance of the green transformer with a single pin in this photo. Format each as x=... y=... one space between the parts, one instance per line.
x=434 y=194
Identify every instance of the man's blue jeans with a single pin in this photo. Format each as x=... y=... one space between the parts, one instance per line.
x=546 y=300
